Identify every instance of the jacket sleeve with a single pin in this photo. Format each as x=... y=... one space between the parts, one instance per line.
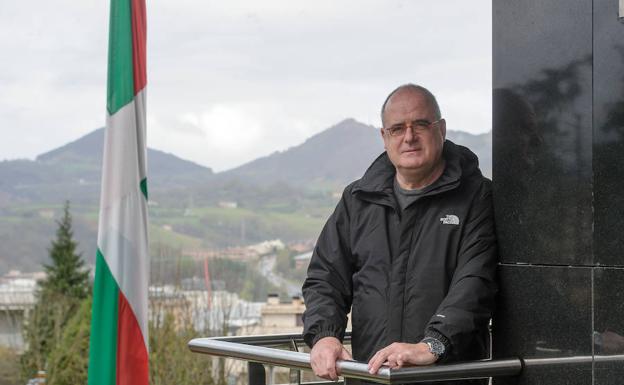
x=468 y=306
x=328 y=288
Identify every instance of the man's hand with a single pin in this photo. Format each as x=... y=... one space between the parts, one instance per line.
x=398 y=354
x=324 y=355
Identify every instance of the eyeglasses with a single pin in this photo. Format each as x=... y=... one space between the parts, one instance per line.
x=420 y=125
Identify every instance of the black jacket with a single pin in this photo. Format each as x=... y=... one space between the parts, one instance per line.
x=429 y=269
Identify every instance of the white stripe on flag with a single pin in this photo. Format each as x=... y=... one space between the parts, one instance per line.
x=122 y=235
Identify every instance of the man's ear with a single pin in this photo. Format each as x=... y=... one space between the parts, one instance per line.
x=443 y=129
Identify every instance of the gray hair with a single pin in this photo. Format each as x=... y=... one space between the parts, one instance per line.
x=416 y=88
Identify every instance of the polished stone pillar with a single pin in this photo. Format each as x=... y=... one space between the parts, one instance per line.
x=558 y=173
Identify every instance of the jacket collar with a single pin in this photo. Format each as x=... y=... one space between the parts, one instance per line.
x=378 y=180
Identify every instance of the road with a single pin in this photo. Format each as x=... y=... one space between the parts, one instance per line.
x=266 y=265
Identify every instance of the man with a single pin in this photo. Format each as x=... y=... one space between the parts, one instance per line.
x=410 y=249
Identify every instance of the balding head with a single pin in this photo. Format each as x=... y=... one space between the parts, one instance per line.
x=411 y=88
x=415 y=147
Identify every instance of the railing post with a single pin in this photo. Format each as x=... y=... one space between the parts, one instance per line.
x=294 y=377
x=294 y=374
x=256 y=373
x=271 y=375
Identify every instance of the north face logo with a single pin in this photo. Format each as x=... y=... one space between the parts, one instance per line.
x=450 y=219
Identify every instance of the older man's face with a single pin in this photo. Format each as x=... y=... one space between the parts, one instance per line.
x=417 y=150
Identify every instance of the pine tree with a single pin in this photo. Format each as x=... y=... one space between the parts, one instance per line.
x=58 y=298
x=66 y=275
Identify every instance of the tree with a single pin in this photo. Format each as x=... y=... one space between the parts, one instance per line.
x=171 y=362
x=69 y=360
x=66 y=275
x=58 y=298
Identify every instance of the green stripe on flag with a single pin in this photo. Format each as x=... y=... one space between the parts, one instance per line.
x=120 y=69
x=103 y=345
x=144 y=187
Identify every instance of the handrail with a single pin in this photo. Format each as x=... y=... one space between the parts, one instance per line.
x=247 y=348
x=353 y=369
x=549 y=361
x=270 y=339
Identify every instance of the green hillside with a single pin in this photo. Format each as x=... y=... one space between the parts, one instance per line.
x=26 y=230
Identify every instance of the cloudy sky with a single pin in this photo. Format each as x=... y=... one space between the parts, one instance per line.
x=229 y=81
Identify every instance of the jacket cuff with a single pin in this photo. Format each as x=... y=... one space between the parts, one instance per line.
x=432 y=333
x=312 y=338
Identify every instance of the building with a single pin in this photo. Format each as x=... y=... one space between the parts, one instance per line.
x=210 y=313
x=17 y=299
x=282 y=317
x=302 y=260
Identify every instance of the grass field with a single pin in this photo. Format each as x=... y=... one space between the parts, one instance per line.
x=26 y=230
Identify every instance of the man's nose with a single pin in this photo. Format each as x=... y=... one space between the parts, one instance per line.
x=409 y=133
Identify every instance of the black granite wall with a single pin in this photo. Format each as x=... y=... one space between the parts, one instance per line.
x=558 y=172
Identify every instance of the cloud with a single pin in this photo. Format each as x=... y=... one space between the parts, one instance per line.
x=230 y=81
x=223 y=135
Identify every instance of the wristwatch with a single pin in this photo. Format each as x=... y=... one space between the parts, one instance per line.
x=435 y=346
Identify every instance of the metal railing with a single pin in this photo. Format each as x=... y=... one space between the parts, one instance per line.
x=255 y=350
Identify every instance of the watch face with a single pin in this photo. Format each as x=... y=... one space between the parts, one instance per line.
x=436 y=347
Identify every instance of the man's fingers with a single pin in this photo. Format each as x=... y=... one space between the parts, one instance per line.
x=392 y=361
x=323 y=367
x=330 y=368
x=332 y=374
x=376 y=357
x=327 y=373
x=392 y=356
x=397 y=355
x=344 y=355
x=399 y=360
x=323 y=357
x=318 y=370
x=372 y=361
x=376 y=362
x=327 y=369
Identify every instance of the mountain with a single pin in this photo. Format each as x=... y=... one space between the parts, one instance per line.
x=337 y=156
x=325 y=161
x=285 y=195
x=73 y=172
x=87 y=150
